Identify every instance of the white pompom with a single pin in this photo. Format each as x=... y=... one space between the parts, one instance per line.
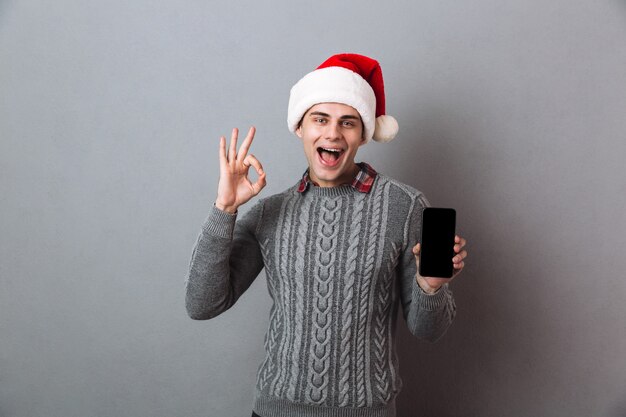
x=386 y=129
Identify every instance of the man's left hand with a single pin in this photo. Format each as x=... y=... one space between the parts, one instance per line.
x=430 y=285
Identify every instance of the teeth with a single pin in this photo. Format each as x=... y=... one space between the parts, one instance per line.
x=332 y=150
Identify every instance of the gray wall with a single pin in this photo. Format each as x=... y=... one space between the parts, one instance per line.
x=110 y=113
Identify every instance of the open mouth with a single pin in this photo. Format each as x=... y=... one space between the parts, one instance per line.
x=330 y=156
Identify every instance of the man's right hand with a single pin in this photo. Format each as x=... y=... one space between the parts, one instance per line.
x=235 y=188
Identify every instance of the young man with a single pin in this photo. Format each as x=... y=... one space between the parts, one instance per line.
x=339 y=251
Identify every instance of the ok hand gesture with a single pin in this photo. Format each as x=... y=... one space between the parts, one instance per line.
x=235 y=188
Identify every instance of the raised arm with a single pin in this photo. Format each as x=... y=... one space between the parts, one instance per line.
x=226 y=257
x=428 y=304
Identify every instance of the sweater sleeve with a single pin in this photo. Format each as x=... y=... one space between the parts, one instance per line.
x=428 y=316
x=224 y=262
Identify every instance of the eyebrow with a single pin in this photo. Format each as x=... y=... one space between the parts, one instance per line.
x=319 y=113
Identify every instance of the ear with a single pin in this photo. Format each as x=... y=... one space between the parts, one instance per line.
x=299 y=131
x=363 y=141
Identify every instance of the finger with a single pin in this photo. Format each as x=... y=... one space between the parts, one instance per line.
x=459 y=257
x=245 y=145
x=252 y=161
x=232 y=152
x=223 y=158
x=416 y=249
x=259 y=184
x=261 y=181
x=457 y=269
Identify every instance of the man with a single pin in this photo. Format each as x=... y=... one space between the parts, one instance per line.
x=339 y=251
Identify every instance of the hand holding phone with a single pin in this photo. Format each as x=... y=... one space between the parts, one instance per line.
x=437 y=242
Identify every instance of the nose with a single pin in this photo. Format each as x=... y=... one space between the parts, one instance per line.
x=333 y=130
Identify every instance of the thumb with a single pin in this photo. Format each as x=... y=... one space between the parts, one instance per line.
x=416 y=253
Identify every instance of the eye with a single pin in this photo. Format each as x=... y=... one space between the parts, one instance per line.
x=348 y=123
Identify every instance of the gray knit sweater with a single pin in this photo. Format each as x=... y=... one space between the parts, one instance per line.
x=338 y=264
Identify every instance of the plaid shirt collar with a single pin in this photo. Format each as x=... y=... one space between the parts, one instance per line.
x=362 y=181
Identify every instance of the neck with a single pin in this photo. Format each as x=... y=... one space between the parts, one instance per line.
x=346 y=178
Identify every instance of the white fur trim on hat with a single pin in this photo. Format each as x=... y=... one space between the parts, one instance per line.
x=386 y=128
x=333 y=85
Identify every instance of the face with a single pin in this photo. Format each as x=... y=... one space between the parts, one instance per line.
x=331 y=134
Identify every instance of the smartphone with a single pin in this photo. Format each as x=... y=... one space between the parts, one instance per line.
x=437 y=242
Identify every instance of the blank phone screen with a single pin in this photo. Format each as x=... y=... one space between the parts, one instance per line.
x=437 y=242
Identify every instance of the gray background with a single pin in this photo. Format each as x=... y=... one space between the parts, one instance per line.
x=110 y=114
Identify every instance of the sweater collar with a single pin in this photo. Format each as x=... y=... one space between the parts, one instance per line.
x=362 y=182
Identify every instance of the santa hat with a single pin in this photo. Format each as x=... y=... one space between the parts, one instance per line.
x=351 y=79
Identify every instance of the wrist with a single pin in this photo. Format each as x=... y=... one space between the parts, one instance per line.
x=226 y=208
x=423 y=284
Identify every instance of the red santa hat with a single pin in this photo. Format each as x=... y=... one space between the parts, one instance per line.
x=351 y=79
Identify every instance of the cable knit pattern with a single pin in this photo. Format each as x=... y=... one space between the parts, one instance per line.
x=300 y=252
x=380 y=331
x=284 y=261
x=326 y=245
x=363 y=384
x=272 y=332
x=346 y=305
x=338 y=262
